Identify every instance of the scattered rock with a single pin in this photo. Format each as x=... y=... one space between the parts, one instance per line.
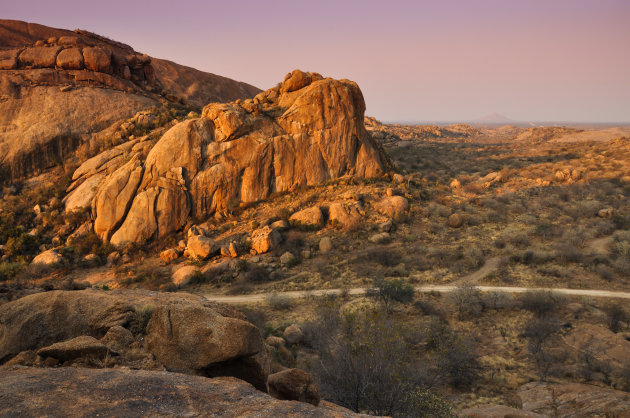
x=605 y=213
x=385 y=226
x=394 y=207
x=183 y=275
x=281 y=225
x=294 y=385
x=287 y=258
x=229 y=250
x=347 y=217
x=380 y=238
x=308 y=217
x=265 y=239
x=293 y=334
x=91 y=260
x=455 y=184
x=398 y=178
x=200 y=246
x=117 y=338
x=80 y=233
x=83 y=346
x=455 y=220
x=325 y=245
x=274 y=341
x=48 y=258
x=169 y=255
x=389 y=192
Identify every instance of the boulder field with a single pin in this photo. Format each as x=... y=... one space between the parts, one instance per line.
x=305 y=131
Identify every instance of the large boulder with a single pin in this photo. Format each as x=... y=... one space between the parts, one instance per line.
x=77 y=392
x=70 y=59
x=197 y=339
x=9 y=59
x=393 y=207
x=294 y=385
x=184 y=275
x=306 y=131
x=265 y=239
x=344 y=216
x=311 y=217
x=200 y=246
x=39 y=57
x=48 y=258
x=98 y=59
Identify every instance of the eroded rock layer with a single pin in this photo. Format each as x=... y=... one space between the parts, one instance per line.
x=305 y=131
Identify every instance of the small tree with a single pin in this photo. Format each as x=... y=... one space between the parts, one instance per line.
x=540 y=332
x=389 y=291
x=467 y=301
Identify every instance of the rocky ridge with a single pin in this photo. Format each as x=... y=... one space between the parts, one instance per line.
x=60 y=87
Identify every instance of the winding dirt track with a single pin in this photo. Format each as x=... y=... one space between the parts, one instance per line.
x=358 y=291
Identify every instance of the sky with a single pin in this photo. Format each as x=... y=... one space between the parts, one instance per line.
x=439 y=60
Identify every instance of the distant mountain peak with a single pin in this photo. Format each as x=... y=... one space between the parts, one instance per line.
x=493 y=118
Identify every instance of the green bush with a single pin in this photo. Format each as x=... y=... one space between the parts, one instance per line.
x=389 y=291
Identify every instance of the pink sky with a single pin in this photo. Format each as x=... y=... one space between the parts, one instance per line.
x=551 y=60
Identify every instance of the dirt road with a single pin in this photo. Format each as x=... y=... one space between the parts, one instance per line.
x=358 y=291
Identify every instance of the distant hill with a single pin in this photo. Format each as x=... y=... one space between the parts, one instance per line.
x=493 y=119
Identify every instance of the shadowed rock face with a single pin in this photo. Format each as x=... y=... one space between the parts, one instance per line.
x=131 y=393
x=103 y=83
x=305 y=131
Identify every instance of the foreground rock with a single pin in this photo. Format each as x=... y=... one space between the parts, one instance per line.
x=219 y=341
x=78 y=392
x=304 y=132
x=194 y=339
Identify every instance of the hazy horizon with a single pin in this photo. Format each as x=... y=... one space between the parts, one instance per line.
x=416 y=61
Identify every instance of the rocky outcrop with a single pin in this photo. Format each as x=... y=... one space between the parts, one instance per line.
x=75 y=392
x=303 y=132
x=42 y=319
x=60 y=88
